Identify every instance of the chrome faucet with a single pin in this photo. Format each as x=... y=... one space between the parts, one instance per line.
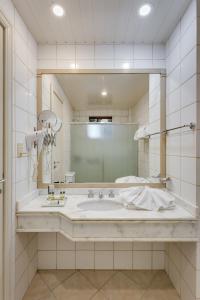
x=111 y=194
x=100 y=195
x=90 y=194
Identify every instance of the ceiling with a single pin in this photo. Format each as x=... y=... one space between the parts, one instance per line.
x=101 y=21
x=84 y=91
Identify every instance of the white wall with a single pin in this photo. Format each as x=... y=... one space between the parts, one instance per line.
x=139 y=114
x=24 y=119
x=182 y=107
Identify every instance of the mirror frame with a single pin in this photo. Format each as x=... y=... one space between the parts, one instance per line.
x=162 y=72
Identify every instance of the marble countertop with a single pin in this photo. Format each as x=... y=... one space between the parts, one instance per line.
x=75 y=213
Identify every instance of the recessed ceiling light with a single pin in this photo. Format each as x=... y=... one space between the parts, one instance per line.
x=145 y=10
x=58 y=10
x=104 y=93
x=126 y=66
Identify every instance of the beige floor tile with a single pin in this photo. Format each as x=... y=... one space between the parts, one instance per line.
x=142 y=278
x=98 y=277
x=121 y=287
x=38 y=290
x=160 y=295
x=77 y=287
x=161 y=281
x=53 y=278
x=99 y=296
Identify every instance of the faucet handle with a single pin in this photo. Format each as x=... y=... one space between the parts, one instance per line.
x=100 y=195
x=90 y=194
x=111 y=194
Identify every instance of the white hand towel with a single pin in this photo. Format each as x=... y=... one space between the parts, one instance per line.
x=141 y=133
x=146 y=198
x=132 y=179
x=35 y=137
x=30 y=139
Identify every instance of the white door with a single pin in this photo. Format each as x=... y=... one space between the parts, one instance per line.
x=1 y=160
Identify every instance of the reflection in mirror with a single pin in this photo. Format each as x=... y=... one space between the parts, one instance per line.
x=106 y=121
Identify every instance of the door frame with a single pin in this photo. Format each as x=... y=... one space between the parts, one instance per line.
x=9 y=207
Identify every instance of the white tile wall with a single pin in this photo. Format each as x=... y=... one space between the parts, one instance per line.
x=181 y=88
x=182 y=162
x=62 y=253
x=181 y=106
x=101 y=56
x=24 y=117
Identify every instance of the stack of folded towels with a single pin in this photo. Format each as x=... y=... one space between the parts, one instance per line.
x=147 y=198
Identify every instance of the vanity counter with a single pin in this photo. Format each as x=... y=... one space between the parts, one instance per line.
x=120 y=224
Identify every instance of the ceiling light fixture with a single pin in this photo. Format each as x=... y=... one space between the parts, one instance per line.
x=145 y=10
x=104 y=93
x=58 y=10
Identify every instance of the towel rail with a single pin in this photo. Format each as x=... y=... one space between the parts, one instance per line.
x=190 y=126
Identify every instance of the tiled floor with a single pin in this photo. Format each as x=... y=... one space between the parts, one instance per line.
x=101 y=285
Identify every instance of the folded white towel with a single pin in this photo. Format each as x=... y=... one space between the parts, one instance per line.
x=146 y=198
x=35 y=137
x=141 y=133
x=132 y=179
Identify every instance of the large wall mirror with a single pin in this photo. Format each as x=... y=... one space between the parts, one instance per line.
x=103 y=128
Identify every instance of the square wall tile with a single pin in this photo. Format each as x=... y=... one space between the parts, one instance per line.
x=142 y=260
x=85 y=52
x=64 y=244
x=158 y=260
x=84 y=246
x=47 y=241
x=47 y=52
x=188 y=40
x=123 y=245
x=66 y=260
x=84 y=259
x=188 y=65
x=158 y=51
x=123 y=260
x=46 y=260
x=188 y=92
x=123 y=52
x=142 y=51
x=142 y=246
x=103 y=52
x=104 y=260
x=188 y=169
x=103 y=245
x=66 y=52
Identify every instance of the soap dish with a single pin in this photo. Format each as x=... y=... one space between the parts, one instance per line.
x=53 y=203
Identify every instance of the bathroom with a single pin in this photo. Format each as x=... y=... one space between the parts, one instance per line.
x=81 y=203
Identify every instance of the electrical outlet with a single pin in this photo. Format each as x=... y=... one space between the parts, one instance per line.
x=20 y=149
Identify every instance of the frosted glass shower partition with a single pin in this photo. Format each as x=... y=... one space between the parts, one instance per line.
x=102 y=152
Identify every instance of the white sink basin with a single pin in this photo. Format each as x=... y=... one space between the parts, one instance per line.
x=100 y=205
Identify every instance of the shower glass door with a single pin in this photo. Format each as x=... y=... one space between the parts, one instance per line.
x=103 y=152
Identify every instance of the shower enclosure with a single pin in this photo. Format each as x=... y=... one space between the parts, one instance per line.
x=102 y=152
